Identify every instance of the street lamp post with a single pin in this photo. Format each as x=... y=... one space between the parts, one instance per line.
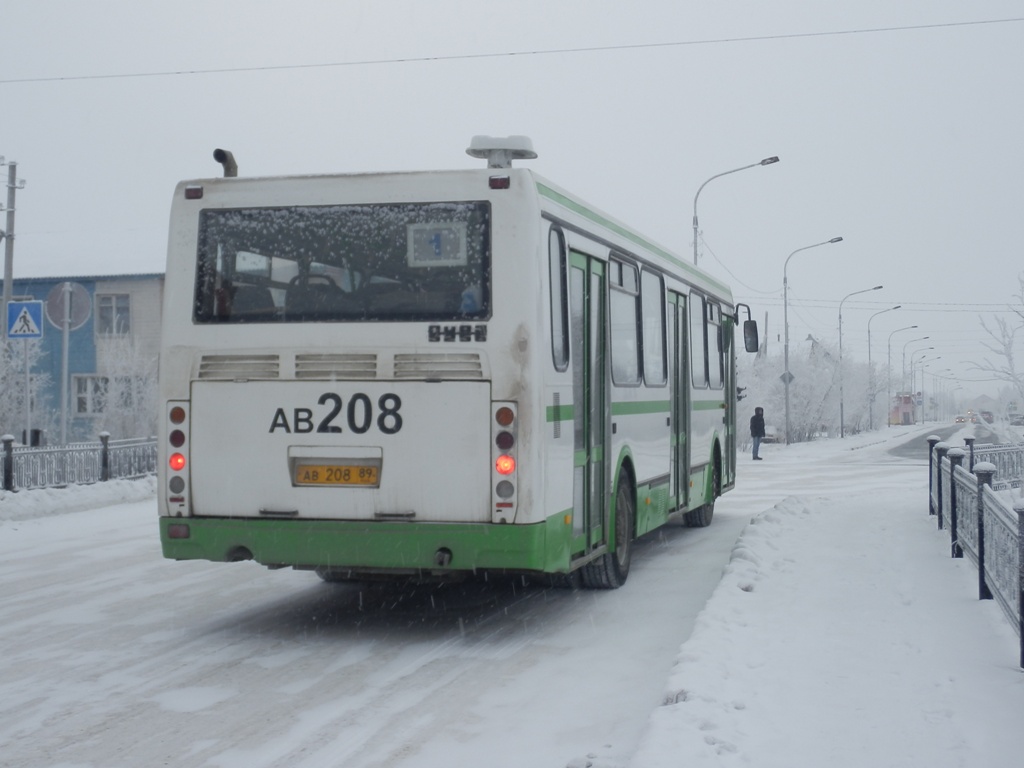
x=787 y=376
x=871 y=371
x=7 y=235
x=925 y=360
x=766 y=161
x=903 y=376
x=940 y=388
x=842 y=425
x=888 y=384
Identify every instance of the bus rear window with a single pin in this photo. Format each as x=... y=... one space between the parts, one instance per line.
x=390 y=262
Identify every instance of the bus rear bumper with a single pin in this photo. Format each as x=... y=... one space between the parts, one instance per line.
x=393 y=546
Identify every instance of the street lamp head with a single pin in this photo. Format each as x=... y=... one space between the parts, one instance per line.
x=696 y=231
x=836 y=240
x=877 y=288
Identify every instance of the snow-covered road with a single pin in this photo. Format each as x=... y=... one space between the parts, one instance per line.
x=115 y=657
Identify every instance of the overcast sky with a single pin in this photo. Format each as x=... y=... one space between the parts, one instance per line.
x=898 y=124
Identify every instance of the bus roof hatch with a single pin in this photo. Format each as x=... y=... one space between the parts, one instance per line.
x=500 y=152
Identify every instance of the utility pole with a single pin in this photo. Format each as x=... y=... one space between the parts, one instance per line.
x=8 y=236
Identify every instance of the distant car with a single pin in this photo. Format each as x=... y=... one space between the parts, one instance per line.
x=1017 y=420
x=960 y=419
x=771 y=434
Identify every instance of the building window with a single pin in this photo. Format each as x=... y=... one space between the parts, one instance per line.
x=113 y=314
x=90 y=395
x=99 y=394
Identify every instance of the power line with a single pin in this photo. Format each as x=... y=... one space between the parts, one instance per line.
x=951 y=307
x=507 y=54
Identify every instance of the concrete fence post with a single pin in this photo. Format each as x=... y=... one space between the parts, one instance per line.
x=969 y=442
x=1018 y=507
x=8 y=462
x=104 y=456
x=932 y=442
x=985 y=472
x=940 y=453
x=956 y=457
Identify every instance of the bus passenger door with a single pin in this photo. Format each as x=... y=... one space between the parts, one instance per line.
x=729 y=380
x=590 y=407
x=679 y=386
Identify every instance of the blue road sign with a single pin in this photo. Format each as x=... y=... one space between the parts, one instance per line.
x=25 y=320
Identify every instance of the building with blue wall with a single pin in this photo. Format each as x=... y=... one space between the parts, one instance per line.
x=113 y=346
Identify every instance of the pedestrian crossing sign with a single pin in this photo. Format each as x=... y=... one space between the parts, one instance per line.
x=24 y=320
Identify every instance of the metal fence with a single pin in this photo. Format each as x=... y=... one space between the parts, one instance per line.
x=1007 y=458
x=25 y=468
x=985 y=518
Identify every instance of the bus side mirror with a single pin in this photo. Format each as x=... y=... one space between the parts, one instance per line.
x=750 y=336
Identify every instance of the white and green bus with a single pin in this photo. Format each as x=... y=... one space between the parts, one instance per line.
x=434 y=374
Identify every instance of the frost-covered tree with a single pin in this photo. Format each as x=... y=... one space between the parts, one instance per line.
x=13 y=357
x=1003 y=343
x=814 y=393
x=129 y=406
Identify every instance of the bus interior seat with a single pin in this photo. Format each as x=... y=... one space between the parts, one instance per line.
x=314 y=298
x=252 y=302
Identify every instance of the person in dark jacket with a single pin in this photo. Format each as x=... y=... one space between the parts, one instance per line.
x=757 y=430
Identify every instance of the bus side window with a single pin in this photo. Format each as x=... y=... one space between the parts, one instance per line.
x=559 y=301
x=713 y=324
x=652 y=308
x=698 y=341
x=623 y=303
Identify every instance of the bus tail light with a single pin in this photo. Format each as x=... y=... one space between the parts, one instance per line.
x=178 y=531
x=505 y=461
x=177 y=453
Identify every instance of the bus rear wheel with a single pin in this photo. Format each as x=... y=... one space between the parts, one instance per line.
x=701 y=517
x=610 y=570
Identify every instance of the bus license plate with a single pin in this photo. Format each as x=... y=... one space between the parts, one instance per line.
x=337 y=474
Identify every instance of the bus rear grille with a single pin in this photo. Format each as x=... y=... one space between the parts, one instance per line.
x=452 y=365
x=336 y=366
x=239 y=367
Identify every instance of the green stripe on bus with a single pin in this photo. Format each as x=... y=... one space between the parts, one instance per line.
x=597 y=218
x=644 y=406
x=555 y=413
x=559 y=413
x=707 y=405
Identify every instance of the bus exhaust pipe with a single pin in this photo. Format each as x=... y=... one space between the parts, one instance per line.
x=443 y=557
x=227 y=160
x=239 y=554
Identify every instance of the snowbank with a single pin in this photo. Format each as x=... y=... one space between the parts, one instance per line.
x=41 y=502
x=842 y=634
